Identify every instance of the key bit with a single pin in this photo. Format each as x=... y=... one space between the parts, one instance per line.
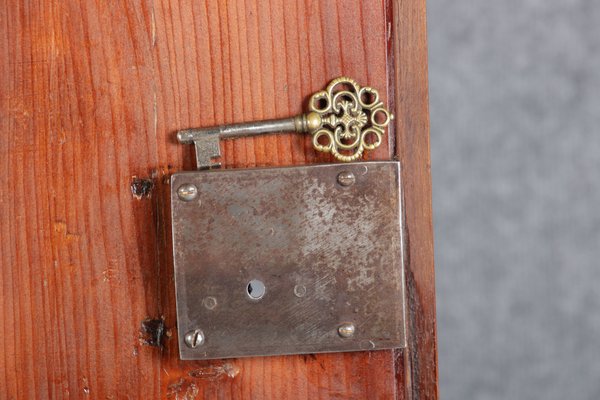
x=345 y=119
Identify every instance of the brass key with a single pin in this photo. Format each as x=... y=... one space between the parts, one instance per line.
x=344 y=120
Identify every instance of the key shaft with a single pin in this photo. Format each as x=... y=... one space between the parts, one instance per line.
x=244 y=129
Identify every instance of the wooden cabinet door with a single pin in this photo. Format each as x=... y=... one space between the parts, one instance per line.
x=91 y=95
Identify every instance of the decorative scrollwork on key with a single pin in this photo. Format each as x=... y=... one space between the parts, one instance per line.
x=352 y=119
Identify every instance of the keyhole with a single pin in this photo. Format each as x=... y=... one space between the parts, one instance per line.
x=256 y=289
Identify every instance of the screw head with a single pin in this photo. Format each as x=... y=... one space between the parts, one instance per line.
x=210 y=302
x=300 y=290
x=187 y=192
x=346 y=330
x=346 y=178
x=194 y=338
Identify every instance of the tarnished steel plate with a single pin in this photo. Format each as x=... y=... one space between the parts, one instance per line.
x=329 y=257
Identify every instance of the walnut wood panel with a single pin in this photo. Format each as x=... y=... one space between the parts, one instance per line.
x=91 y=94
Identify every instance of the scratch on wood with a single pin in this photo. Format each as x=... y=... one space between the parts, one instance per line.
x=183 y=390
x=155 y=108
x=153 y=21
x=61 y=235
x=214 y=372
x=86 y=388
x=110 y=275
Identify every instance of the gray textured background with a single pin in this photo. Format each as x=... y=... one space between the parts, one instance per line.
x=515 y=141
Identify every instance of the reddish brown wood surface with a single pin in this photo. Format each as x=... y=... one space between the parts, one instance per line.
x=91 y=94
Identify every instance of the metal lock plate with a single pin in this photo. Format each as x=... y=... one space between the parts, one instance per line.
x=288 y=260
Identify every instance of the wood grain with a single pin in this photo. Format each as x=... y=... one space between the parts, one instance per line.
x=91 y=94
x=419 y=361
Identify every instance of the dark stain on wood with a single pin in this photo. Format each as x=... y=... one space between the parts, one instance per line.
x=153 y=332
x=141 y=188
